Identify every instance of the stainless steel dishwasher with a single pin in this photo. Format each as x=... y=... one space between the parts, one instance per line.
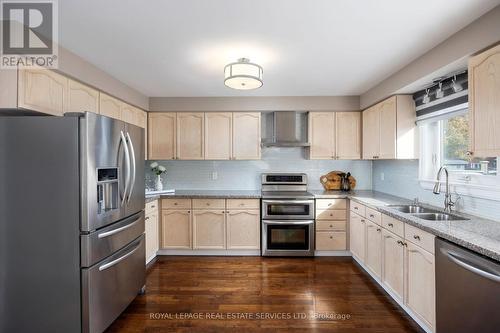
x=467 y=290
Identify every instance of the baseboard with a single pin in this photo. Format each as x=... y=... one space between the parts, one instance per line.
x=150 y=263
x=394 y=297
x=165 y=252
x=332 y=253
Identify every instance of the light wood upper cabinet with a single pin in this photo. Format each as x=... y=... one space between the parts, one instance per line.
x=218 y=135
x=190 y=135
x=484 y=102
x=81 y=98
x=246 y=135
x=209 y=229
x=393 y=260
x=373 y=258
x=243 y=229
x=176 y=229
x=348 y=135
x=322 y=135
x=42 y=90
x=133 y=115
x=162 y=135
x=110 y=106
x=389 y=130
x=357 y=236
x=420 y=295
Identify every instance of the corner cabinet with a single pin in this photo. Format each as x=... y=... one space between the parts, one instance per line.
x=389 y=130
x=334 y=135
x=484 y=102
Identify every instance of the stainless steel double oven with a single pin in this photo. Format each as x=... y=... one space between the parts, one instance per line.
x=287 y=215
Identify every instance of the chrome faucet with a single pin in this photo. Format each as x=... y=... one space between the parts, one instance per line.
x=448 y=202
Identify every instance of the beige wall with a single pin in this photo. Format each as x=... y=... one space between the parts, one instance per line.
x=478 y=35
x=307 y=103
x=74 y=66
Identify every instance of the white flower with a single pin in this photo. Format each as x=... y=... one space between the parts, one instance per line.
x=154 y=165
x=162 y=168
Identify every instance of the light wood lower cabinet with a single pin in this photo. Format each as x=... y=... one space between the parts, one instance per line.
x=357 y=236
x=176 y=229
x=243 y=229
x=209 y=229
x=331 y=241
x=393 y=254
x=420 y=295
x=152 y=236
x=373 y=257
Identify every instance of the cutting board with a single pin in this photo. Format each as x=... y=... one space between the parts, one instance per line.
x=332 y=180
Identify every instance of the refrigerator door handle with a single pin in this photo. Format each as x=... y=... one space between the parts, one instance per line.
x=456 y=259
x=127 y=166
x=117 y=260
x=118 y=230
x=134 y=170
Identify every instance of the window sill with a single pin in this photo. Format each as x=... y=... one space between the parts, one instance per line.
x=491 y=192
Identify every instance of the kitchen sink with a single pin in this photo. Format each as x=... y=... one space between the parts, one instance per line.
x=411 y=209
x=439 y=217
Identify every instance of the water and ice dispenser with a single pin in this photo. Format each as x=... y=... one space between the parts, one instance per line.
x=107 y=189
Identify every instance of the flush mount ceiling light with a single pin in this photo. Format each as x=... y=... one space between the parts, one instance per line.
x=243 y=75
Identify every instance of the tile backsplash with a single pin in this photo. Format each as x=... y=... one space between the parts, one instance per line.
x=401 y=179
x=245 y=175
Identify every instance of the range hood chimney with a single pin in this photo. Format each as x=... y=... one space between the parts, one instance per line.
x=285 y=129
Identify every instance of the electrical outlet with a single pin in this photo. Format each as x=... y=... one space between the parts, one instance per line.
x=382 y=176
x=214 y=175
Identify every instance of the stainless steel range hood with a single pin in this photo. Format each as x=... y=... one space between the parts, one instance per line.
x=284 y=129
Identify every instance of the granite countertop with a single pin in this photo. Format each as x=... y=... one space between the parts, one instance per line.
x=214 y=194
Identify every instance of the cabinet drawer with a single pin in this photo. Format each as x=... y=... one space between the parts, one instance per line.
x=176 y=203
x=243 y=203
x=393 y=225
x=420 y=238
x=209 y=203
x=331 y=225
x=331 y=214
x=330 y=241
x=151 y=207
x=373 y=215
x=331 y=203
x=358 y=208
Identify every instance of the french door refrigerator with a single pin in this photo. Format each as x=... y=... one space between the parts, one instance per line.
x=72 y=254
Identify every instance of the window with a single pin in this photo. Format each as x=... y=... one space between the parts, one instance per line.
x=444 y=141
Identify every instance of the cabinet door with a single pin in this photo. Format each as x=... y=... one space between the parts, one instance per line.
x=161 y=135
x=371 y=133
x=393 y=254
x=190 y=128
x=246 y=135
x=322 y=135
x=387 y=110
x=129 y=114
x=81 y=98
x=348 y=135
x=42 y=90
x=373 y=259
x=357 y=236
x=484 y=102
x=420 y=296
x=218 y=135
x=243 y=229
x=110 y=106
x=176 y=229
x=152 y=237
x=209 y=229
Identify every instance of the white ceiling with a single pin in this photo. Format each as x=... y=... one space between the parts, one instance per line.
x=307 y=48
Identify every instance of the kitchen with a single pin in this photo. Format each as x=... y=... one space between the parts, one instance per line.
x=255 y=166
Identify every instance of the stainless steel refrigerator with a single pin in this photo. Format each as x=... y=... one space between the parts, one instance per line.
x=72 y=254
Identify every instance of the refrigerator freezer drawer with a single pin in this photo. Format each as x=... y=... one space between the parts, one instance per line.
x=104 y=242
x=109 y=286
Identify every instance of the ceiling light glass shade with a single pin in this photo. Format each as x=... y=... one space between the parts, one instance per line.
x=243 y=75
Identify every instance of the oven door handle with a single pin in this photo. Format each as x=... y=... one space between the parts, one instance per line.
x=287 y=222
x=309 y=202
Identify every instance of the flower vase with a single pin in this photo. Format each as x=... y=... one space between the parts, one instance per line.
x=158 y=183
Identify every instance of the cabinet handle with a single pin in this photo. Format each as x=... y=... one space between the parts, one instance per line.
x=416 y=237
x=390 y=225
x=224 y=212
x=331 y=237
x=355 y=208
x=147 y=218
x=153 y=206
x=378 y=229
x=400 y=242
x=189 y=211
x=371 y=215
x=405 y=244
x=175 y=203
x=331 y=225
x=331 y=214
x=362 y=221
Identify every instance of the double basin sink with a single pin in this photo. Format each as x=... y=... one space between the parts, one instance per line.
x=426 y=213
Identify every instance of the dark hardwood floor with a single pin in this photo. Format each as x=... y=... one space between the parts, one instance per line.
x=235 y=294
